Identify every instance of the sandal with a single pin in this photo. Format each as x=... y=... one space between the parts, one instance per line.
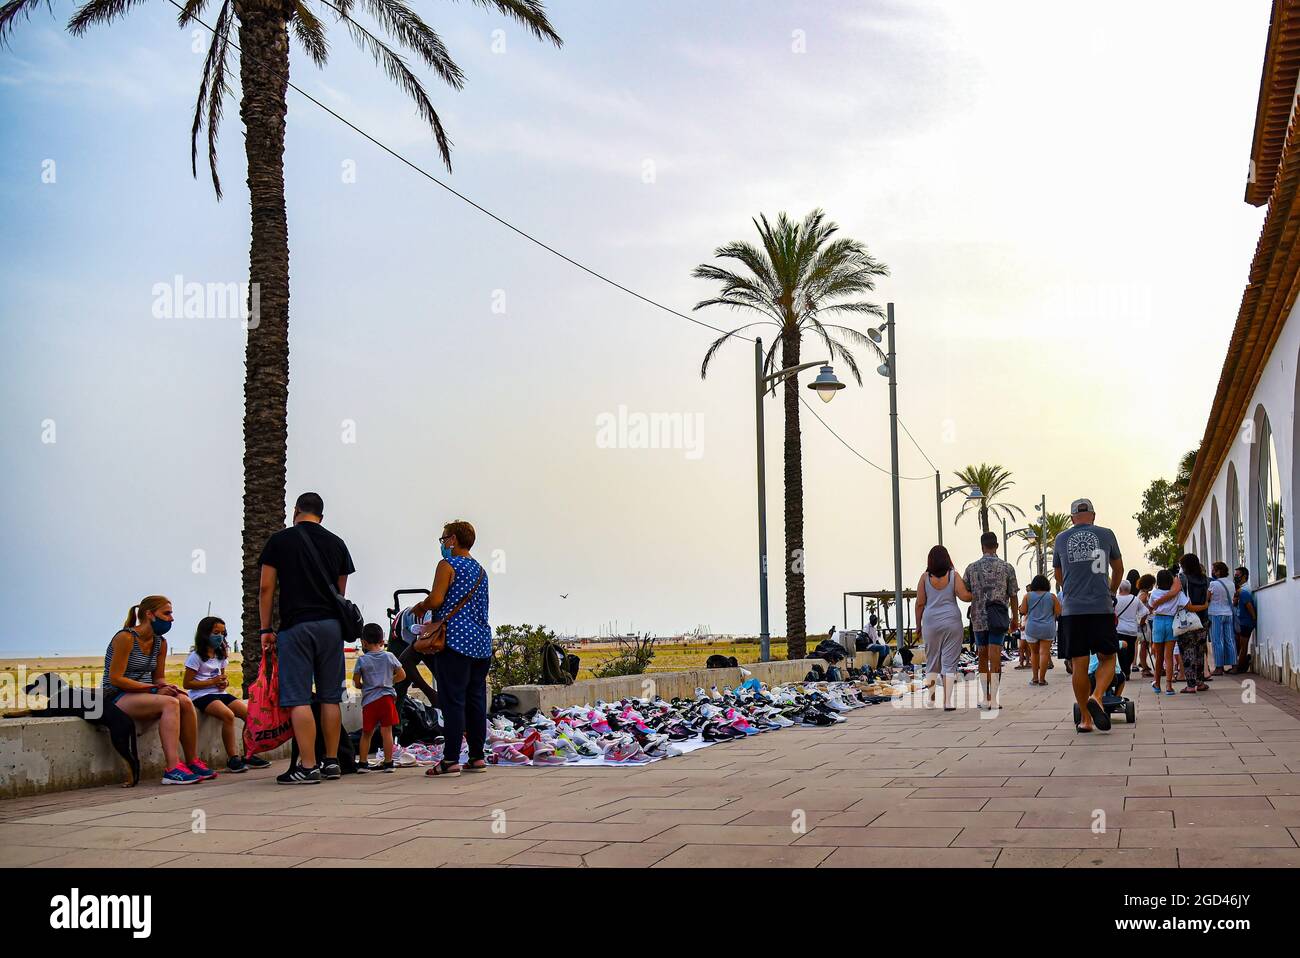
x=1099 y=717
x=1184 y=690
x=1202 y=687
x=475 y=765
x=443 y=768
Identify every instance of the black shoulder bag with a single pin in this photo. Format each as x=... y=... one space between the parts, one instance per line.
x=349 y=615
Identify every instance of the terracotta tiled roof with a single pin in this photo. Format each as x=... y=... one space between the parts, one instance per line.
x=1269 y=296
x=1277 y=93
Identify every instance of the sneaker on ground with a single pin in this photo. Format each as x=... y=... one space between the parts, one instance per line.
x=297 y=775
x=256 y=761
x=180 y=775
x=200 y=768
x=236 y=764
x=331 y=769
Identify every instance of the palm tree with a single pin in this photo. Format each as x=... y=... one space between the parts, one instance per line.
x=993 y=481
x=263 y=28
x=799 y=276
x=1057 y=522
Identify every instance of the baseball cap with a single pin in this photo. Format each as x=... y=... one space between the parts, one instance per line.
x=1080 y=506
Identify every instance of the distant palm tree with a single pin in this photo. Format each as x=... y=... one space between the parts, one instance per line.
x=994 y=482
x=1057 y=522
x=263 y=28
x=799 y=276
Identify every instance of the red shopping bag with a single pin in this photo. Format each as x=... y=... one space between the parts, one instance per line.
x=268 y=726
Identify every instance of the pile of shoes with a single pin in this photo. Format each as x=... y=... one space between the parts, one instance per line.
x=636 y=731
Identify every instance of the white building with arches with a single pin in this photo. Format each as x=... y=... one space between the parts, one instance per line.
x=1240 y=504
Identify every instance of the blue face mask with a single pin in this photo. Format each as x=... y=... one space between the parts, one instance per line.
x=161 y=626
x=446 y=551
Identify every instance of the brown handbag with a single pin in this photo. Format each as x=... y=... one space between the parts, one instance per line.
x=434 y=640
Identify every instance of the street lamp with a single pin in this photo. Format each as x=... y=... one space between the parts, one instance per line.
x=825 y=385
x=941 y=495
x=1041 y=509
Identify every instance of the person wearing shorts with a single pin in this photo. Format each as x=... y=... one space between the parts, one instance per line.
x=309 y=641
x=1040 y=610
x=1088 y=567
x=376 y=673
x=205 y=681
x=992 y=583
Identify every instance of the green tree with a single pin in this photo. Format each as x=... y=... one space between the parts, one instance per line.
x=800 y=276
x=994 y=482
x=1057 y=522
x=263 y=28
x=1162 y=507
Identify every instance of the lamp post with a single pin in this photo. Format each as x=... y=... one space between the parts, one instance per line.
x=941 y=495
x=889 y=369
x=825 y=385
x=1041 y=509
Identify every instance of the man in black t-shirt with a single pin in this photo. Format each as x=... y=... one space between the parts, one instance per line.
x=309 y=641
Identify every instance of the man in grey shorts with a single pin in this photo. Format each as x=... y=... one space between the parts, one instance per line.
x=309 y=642
x=1081 y=558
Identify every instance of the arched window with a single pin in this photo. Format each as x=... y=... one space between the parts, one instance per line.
x=1266 y=504
x=1204 y=546
x=1216 y=539
x=1236 y=526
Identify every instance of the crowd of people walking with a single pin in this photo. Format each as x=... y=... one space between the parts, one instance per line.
x=1100 y=619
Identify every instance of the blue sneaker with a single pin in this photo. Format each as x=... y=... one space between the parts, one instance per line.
x=180 y=775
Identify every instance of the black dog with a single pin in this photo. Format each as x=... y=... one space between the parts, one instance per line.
x=91 y=705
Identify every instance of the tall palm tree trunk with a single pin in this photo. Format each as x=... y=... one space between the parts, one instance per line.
x=264 y=76
x=795 y=628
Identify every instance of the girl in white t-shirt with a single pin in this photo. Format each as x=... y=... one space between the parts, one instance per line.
x=205 y=680
x=1166 y=599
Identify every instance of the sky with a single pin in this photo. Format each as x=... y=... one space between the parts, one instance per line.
x=1057 y=194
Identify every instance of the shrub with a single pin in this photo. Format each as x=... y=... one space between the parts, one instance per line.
x=517 y=656
x=633 y=658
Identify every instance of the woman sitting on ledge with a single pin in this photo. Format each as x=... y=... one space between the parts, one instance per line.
x=135 y=667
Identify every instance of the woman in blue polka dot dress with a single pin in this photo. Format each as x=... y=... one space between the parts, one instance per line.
x=462 y=667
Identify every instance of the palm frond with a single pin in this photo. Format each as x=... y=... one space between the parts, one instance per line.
x=414 y=34
x=858 y=338
x=99 y=11
x=310 y=31
x=718 y=344
x=190 y=12
x=210 y=105
x=13 y=9
x=530 y=13
x=401 y=74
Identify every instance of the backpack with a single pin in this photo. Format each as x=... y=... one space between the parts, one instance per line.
x=555 y=665
x=418 y=723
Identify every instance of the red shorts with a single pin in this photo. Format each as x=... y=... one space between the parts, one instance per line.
x=382 y=712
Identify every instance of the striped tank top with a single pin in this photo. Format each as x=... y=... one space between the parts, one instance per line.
x=139 y=666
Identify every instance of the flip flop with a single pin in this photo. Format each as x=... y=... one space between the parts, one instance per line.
x=1099 y=717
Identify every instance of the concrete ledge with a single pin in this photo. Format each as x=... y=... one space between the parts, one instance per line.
x=40 y=755
x=666 y=684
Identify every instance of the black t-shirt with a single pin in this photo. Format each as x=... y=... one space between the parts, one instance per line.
x=304 y=596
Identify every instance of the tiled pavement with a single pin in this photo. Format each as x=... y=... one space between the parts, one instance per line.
x=1200 y=780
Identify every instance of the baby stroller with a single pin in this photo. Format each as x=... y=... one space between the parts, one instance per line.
x=1111 y=700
